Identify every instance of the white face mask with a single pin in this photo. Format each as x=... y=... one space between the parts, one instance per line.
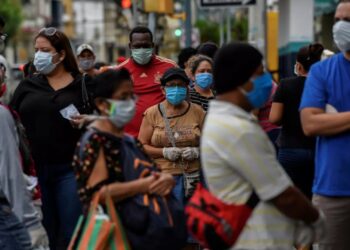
x=296 y=70
x=341 y=35
x=142 y=56
x=43 y=62
x=86 y=64
x=121 y=112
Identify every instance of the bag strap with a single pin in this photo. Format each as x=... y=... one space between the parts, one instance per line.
x=120 y=237
x=168 y=129
x=84 y=140
x=84 y=93
x=253 y=200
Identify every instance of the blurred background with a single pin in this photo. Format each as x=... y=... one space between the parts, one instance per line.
x=277 y=28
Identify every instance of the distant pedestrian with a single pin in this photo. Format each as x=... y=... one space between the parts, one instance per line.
x=28 y=69
x=146 y=69
x=202 y=77
x=296 y=151
x=98 y=65
x=86 y=59
x=183 y=57
x=272 y=130
x=208 y=49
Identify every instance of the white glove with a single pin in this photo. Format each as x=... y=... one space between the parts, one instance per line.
x=304 y=235
x=172 y=154
x=319 y=226
x=39 y=238
x=190 y=154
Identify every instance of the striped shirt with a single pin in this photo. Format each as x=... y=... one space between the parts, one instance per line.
x=197 y=98
x=238 y=157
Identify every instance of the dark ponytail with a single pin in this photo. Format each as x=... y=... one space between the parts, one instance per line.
x=309 y=55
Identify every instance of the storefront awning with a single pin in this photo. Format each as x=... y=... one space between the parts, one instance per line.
x=325 y=6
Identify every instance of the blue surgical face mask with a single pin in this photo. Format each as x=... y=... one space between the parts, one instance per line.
x=204 y=80
x=259 y=95
x=43 y=62
x=121 y=112
x=142 y=56
x=175 y=95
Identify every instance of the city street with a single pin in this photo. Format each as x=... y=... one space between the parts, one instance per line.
x=174 y=124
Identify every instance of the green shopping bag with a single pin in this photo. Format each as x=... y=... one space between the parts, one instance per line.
x=99 y=231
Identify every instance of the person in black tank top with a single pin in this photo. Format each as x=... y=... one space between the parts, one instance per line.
x=296 y=153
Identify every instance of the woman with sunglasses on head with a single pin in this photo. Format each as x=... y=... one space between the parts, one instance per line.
x=46 y=102
x=296 y=152
x=170 y=133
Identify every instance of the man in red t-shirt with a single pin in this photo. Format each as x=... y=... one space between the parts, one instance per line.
x=146 y=69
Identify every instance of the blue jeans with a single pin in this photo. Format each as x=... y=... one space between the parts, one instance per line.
x=61 y=204
x=13 y=235
x=299 y=165
x=179 y=193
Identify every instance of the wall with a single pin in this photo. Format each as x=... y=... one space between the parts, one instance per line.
x=296 y=20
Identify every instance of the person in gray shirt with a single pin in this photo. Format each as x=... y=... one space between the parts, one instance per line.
x=14 y=195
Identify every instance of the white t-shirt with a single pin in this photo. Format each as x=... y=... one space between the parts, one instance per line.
x=237 y=156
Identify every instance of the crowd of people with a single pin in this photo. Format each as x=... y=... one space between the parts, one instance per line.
x=148 y=130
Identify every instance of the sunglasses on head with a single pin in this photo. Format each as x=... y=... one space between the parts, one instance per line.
x=3 y=36
x=51 y=31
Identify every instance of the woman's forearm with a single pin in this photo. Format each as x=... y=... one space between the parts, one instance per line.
x=122 y=190
x=153 y=151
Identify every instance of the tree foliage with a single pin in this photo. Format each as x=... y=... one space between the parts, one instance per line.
x=240 y=29
x=209 y=30
x=11 y=12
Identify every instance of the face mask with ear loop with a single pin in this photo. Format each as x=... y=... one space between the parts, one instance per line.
x=341 y=35
x=142 y=56
x=296 y=70
x=121 y=112
x=43 y=62
x=259 y=95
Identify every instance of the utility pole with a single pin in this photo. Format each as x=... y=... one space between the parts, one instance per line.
x=265 y=27
x=152 y=22
x=56 y=13
x=228 y=25
x=222 y=35
x=134 y=12
x=84 y=21
x=188 y=23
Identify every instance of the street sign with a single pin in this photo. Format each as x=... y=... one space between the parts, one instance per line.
x=216 y=3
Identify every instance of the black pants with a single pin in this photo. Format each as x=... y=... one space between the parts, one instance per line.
x=299 y=165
